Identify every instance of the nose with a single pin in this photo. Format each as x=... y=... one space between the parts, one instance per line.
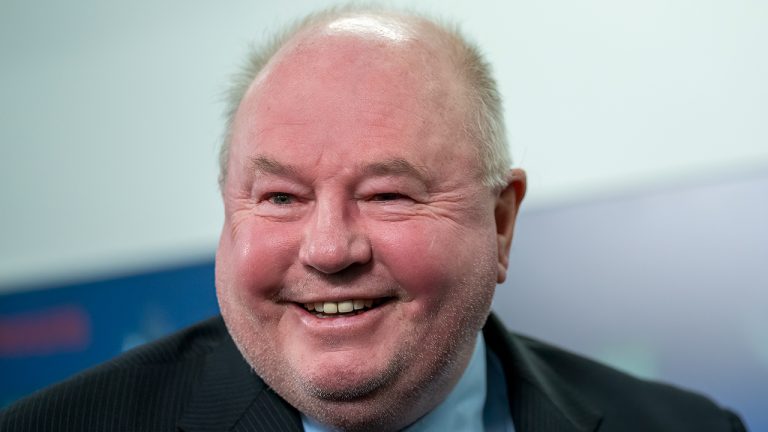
x=333 y=240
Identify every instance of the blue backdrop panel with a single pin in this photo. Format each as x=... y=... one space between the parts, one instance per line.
x=47 y=335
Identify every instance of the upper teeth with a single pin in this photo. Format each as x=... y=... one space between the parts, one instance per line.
x=338 y=307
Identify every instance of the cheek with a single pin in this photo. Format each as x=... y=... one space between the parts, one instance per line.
x=431 y=260
x=254 y=259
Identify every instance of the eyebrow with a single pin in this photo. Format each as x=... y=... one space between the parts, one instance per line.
x=396 y=167
x=267 y=165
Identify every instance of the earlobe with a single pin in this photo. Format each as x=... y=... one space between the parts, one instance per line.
x=507 y=206
x=503 y=260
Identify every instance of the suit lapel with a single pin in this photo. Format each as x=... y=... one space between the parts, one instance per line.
x=230 y=396
x=539 y=400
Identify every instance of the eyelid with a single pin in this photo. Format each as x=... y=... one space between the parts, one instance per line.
x=406 y=186
x=391 y=195
x=393 y=198
x=266 y=187
x=270 y=195
x=277 y=200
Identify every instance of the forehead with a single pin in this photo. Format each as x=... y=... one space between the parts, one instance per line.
x=355 y=82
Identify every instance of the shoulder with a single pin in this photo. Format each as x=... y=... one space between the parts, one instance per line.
x=147 y=384
x=620 y=393
x=627 y=402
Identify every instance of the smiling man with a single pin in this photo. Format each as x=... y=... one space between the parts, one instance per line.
x=363 y=235
x=369 y=212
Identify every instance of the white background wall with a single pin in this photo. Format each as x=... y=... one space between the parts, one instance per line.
x=110 y=112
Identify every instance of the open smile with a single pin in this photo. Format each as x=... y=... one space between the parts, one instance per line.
x=345 y=308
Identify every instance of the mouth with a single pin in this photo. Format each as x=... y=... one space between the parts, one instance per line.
x=332 y=309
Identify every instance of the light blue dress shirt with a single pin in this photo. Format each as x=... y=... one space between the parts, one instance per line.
x=479 y=402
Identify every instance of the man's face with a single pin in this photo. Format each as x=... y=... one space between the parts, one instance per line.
x=353 y=185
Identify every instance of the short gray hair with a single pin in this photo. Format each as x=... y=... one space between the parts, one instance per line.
x=485 y=124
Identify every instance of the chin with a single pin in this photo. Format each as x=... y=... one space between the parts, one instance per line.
x=348 y=375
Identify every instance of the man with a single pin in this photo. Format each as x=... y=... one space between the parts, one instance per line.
x=369 y=212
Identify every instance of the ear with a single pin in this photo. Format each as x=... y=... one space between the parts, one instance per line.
x=507 y=206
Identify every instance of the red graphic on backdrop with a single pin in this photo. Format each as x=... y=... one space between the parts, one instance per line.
x=43 y=332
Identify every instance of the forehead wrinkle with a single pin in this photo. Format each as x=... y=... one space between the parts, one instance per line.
x=277 y=125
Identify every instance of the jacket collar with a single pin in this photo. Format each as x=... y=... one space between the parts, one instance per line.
x=539 y=400
x=230 y=396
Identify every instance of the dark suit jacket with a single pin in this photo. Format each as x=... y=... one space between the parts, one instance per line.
x=196 y=380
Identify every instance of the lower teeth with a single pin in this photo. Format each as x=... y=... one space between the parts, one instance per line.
x=322 y=315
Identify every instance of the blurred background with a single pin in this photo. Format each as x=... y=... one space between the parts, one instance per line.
x=643 y=126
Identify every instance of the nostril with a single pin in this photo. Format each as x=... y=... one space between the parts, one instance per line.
x=332 y=255
x=325 y=252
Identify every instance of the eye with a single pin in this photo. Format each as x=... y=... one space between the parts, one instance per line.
x=387 y=196
x=281 y=198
